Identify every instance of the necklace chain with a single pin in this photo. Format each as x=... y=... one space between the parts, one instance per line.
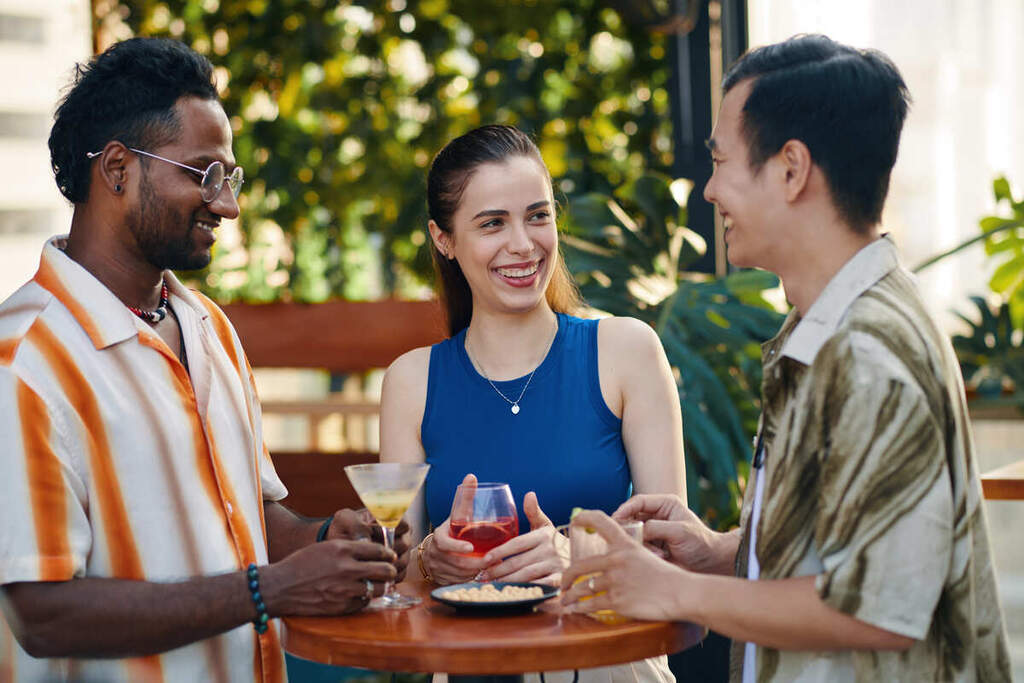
x=515 y=403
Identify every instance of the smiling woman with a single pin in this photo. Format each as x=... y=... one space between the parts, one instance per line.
x=567 y=411
x=506 y=168
x=507 y=246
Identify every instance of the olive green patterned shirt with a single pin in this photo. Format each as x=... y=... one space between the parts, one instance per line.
x=871 y=484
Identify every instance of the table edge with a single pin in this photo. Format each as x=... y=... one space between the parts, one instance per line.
x=664 y=638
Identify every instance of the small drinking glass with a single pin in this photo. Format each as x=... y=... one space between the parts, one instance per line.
x=584 y=543
x=387 y=490
x=485 y=515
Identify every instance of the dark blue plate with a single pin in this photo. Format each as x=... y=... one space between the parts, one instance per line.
x=504 y=606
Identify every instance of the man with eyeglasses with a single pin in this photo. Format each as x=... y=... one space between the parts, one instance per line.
x=141 y=537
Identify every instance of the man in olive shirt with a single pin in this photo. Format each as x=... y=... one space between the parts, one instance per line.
x=862 y=552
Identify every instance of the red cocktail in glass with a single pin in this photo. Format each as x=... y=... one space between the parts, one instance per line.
x=485 y=515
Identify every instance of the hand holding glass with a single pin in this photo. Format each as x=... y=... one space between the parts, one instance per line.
x=387 y=490
x=485 y=515
x=584 y=543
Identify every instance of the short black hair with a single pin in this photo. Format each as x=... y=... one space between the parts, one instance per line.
x=847 y=105
x=127 y=93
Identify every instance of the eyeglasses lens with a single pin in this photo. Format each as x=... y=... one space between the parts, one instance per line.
x=235 y=181
x=213 y=180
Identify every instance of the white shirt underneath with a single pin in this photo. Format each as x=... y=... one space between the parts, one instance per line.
x=753 y=568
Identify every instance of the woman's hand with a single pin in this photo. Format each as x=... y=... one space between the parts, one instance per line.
x=533 y=556
x=445 y=557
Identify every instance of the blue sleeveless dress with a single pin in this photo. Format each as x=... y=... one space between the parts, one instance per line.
x=565 y=443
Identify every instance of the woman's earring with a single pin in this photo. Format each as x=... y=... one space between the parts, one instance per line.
x=117 y=188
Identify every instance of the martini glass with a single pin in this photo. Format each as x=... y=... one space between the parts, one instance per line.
x=387 y=490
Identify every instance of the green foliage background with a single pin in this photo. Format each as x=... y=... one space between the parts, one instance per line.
x=338 y=108
x=991 y=351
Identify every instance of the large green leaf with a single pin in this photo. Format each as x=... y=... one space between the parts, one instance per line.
x=1001 y=189
x=1008 y=276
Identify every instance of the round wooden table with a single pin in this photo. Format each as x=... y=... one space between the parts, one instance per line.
x=432 y=637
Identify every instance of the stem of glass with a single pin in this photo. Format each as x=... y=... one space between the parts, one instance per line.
x=389 y=542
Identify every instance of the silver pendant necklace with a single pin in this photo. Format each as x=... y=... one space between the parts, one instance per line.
x=515 y=403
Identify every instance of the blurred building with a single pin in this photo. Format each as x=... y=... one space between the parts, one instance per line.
x=40 y=41
x=962 y=65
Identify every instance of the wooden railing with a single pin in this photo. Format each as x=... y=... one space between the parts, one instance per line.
x=317 y=485
x=339 y=336
x=344 y=336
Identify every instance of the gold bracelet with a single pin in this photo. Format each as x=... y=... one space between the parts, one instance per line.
x=419 y=558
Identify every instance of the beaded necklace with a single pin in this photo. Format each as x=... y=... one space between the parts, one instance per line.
x=161 y=311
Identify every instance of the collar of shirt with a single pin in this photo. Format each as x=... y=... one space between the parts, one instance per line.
x=101 y=314
x=868 y=266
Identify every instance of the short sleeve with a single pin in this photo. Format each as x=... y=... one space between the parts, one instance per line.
x=884 y=528
x=45 y=535
x=273 y=487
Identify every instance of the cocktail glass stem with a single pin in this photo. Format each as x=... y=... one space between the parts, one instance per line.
x=392 y=599
x=389 y=543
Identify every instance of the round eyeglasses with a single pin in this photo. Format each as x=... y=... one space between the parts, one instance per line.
x=212 y=179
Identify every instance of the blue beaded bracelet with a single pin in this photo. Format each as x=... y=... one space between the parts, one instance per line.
x=260 y=622
x=321 y=534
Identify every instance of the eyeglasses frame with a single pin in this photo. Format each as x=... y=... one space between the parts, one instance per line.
x=234 y=184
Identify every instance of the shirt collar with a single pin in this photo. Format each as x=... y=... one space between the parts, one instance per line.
x=179 y=293
x=868 y=266
x=101 y=314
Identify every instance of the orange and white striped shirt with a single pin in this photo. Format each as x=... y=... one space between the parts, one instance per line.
x=117 y=462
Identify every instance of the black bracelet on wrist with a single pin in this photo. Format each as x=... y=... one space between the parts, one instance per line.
x=321 y=535
x=260 y=622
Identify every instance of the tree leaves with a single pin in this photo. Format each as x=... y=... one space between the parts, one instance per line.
x=338 y=107
x=341 y=104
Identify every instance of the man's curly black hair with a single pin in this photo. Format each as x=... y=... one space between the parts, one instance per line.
x=127 y=93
